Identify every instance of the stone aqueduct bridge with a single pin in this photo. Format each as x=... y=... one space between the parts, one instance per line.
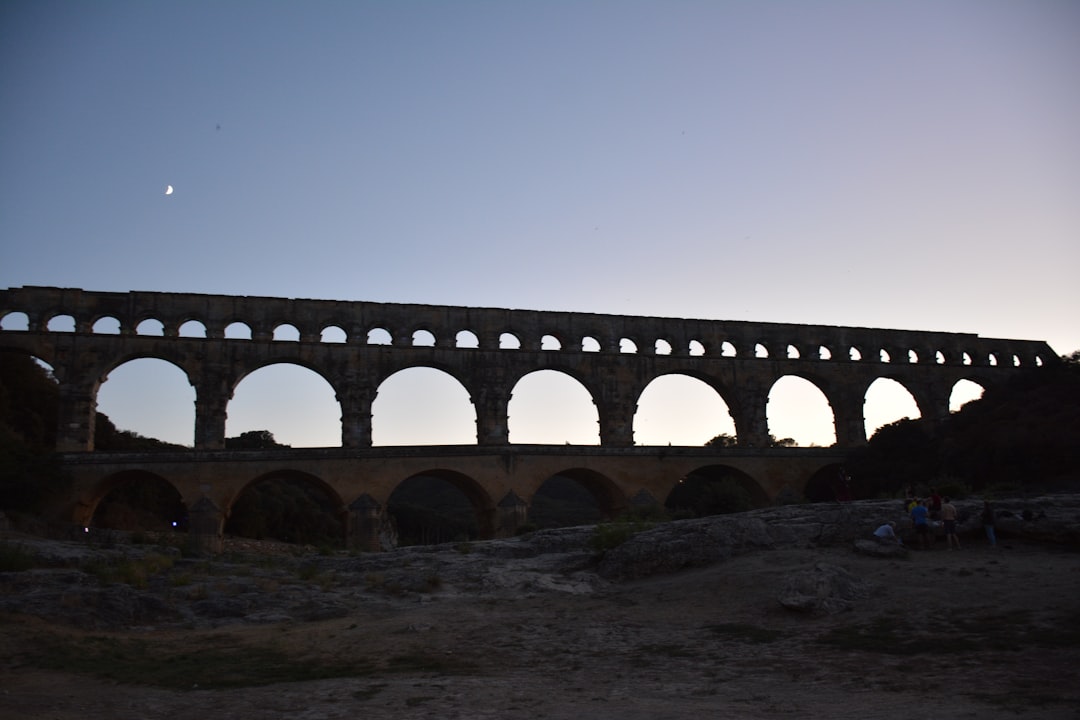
x=740 y=360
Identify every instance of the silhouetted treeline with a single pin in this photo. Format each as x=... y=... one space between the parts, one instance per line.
x=109 y=438
x=1023 y=434
x=30 y=472
x=253 y=440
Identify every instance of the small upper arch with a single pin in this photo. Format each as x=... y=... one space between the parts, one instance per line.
x=286 y=332
x=106 y=325
x=237 y=330
x=60 y=323
x=334 y=334
x=192 y=327
x=16 y=320
x=551 y=342
x=422 y=337
x=150 y=326
x=379 y=336
x=466 y=339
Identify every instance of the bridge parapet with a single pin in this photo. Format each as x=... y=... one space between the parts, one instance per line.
x=263 y=315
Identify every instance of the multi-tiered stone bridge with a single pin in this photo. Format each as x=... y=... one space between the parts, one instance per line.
x=487 y=350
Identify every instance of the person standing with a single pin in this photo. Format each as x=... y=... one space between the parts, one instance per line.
x=988 y=523
x=935 y=504
x=920 y=516
x=948 y=519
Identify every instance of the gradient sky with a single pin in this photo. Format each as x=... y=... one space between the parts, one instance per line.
x=886 y=164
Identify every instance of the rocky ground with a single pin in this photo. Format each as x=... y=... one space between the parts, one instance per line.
x=769 y=614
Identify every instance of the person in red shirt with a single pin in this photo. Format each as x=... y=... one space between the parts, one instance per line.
x=935 y=504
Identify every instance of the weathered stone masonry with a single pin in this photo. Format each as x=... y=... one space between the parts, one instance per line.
x=928 y=364
x=740 y=360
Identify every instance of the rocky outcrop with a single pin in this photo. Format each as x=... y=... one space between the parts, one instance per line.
x=119 y=585
x=669 y=547
x=823 y=588
x=878 y=548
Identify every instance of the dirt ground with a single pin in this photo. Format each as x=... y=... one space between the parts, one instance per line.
x=975 y=633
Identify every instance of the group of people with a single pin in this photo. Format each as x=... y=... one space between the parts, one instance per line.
x=934 y=508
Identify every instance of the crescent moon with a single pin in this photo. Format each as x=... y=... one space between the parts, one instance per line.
x=168 y=189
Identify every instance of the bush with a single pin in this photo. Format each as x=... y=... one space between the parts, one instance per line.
x=703 y=496
x=1004 y=488
x=954 y=488
x=136 y=573
x=608 y=536
x=15 y=558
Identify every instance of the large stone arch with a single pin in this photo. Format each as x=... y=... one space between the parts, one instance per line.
x=609 y=498
x=572 y=375
x=176 y=360
x=87 y=508
x=828 y=484
x=723 y=393
x=715 y=474
x=883 y=381
x=287 y=475
x=579 y=374
x=246 y=371
x=482 y=503
x=816 y=382
x=99 y=371
x=447 y=376
x=956 y=385
x=280 y=473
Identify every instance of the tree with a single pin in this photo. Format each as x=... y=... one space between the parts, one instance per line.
x=253 y=440
x=1023 y=433
x=109 y=438
x=899 y=454
x=30 y=470
x=725 y=440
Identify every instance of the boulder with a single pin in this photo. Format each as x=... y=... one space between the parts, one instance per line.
x=824 y=588
x=876 y=548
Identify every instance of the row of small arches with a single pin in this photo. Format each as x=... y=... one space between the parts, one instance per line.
x=466 y=339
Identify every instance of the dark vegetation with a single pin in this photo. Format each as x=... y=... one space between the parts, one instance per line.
x=1023 y=435
x=287 y=509
x=1020 y=436
x=703 y=494
x=29 y=471
x=725 y=440
x=429 y=510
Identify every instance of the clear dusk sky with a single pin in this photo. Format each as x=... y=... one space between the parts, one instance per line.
x=898 y=164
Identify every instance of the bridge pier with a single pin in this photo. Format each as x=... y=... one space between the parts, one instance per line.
x=511 y=514
x=210 y=412
x=205 y=527
x=76 y=411
x=364 y=524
